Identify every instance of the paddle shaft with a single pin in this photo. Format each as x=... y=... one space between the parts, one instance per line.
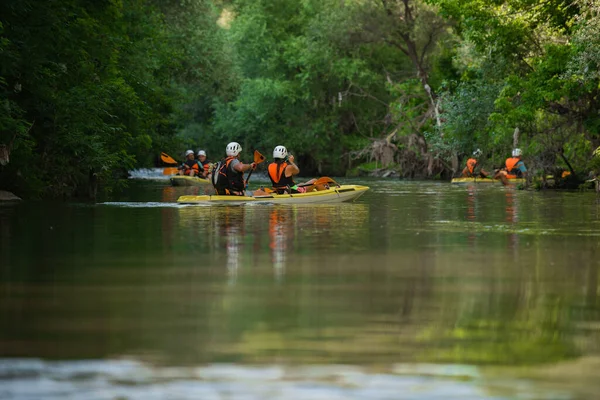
x=249 y=175
x=258 y=158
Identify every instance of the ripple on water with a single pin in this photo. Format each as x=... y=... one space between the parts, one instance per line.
x=128 y=379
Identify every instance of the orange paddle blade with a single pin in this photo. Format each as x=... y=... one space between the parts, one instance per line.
x=169 y=171
x=325 y=180
x=258 y=158
x=167 y=159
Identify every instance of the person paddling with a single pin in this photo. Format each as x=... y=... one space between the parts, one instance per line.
x=189 y=166
x=282 y=170
x=203 y=164
x=514 y=168
x=473 y=169
x=228 y=176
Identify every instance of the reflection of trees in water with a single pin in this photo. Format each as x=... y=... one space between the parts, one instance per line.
x=507 y=315
x=5 y=238
x=431 y=304
x=414 y=299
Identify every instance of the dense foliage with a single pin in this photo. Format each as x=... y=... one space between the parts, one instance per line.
x=92 y=89
x=89 y=90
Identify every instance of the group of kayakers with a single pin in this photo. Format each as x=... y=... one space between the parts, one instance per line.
x=193 y=166
x=228 y=174
x=514 y=167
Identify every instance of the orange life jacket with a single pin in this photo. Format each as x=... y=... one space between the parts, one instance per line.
x=511 y=167
x=471 y=163
x=205 y=165
x=189 y=165
x=277 y=175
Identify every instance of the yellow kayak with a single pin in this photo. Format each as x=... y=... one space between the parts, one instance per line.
x=184 y=180
x=486 y=180
x=332 y=195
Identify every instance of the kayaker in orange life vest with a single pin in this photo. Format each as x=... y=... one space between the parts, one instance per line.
x=282 y=170
x=203 y=164
x=515 y=167
x=189 y=166
x=473 y=169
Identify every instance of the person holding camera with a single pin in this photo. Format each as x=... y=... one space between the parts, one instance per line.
x=282 y=170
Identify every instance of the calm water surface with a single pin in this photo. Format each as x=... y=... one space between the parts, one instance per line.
x=419 y=290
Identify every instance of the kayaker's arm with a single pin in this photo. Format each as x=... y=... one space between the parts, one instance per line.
x=292 y=168
x=241 y=167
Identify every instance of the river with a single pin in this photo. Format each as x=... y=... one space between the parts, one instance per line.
x=418 y=290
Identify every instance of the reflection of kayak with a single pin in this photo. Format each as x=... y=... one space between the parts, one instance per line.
x=183 y=180
x=332 y=195
x=485 y=180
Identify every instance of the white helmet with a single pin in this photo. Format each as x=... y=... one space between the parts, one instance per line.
x=233 y=149
x=201 y=153
x=187 y=153
x=517 y=153
x=280 y=152
x=477 y=153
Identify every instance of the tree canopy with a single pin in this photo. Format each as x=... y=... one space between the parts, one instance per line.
x=89 y=90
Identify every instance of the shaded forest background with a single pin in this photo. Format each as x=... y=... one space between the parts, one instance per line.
x=90 y=90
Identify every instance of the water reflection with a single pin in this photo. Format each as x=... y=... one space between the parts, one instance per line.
x=471 y=211
x=5 y=234
x=241 y=234
x=512 y=216
x=169 y=194
x=229 y=224
x=390 y=280
x=281 y=234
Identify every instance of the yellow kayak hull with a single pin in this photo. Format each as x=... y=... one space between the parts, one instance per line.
x=486 y=180
x=183 y=180
x=333 y=195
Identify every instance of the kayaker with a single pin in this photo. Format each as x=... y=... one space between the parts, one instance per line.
x=228 y=176
x=514 y=167
x=473 y=169
x=282 y=170
x=189 y=166
x=203 y=164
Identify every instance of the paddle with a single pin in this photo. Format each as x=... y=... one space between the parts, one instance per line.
x=323 y=182
x=258 y=158
x=167 y=159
